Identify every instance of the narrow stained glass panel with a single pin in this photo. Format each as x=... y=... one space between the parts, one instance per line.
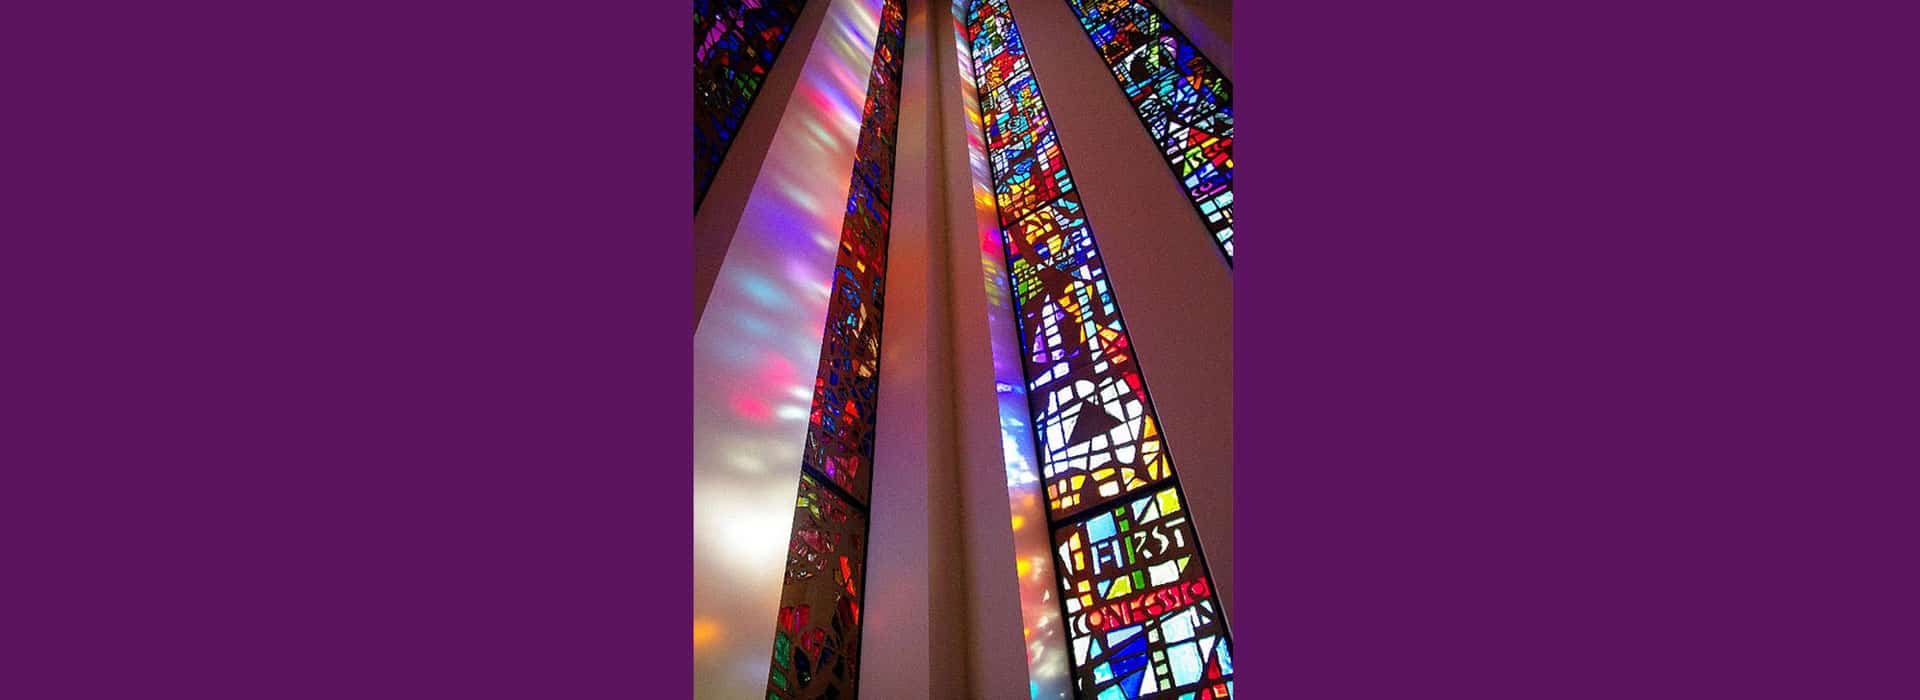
x=1144 y=621
x=1097 y=438
x=735 y=43
x=816 y=650
x=816 y=644
x=1184 y=101
x=1140 y=607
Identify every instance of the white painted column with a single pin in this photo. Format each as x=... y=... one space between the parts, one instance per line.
x=902 y=619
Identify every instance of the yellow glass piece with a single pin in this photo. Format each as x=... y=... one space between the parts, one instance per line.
x=1169 y=502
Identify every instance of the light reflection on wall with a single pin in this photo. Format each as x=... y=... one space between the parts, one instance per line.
x=1047 y=660
x=761 y=325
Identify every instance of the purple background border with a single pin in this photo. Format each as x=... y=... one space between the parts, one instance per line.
x=1590 y=333
x=356 y=360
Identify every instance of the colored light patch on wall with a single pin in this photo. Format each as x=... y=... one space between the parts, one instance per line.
x=1183 y=100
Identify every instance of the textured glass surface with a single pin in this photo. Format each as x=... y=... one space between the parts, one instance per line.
x=816 y=645
x=734 y=45
x=1143 y=619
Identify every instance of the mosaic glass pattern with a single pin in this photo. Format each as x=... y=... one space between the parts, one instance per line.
x=816 y=643
x=1143 y=619
x=734 y=45
x=1184 y=101
x=816 y=648
x=1139 y=604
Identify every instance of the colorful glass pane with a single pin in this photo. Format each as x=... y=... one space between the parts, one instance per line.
x=1140 y=607
x=735 y=43
x=1143 y=617
x=817 y=640
x=816 y=643
x=1183 y=100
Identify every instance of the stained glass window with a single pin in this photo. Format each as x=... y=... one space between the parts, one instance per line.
x=816 y=651
x=1143 y=618
x=1184 y=101
x=734 y=44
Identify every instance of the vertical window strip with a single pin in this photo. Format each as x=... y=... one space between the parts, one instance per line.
x=1183 y=100
x=735 y=43
x=817 y=634
x=1142 y=616
x=1049 y=672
